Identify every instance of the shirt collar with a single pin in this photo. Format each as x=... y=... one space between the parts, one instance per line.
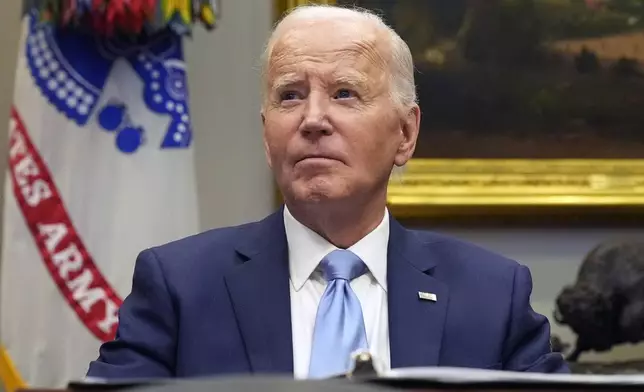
x=306 y=249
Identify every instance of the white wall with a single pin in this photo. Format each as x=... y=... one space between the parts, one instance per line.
x=9 y=34
x=234 y=183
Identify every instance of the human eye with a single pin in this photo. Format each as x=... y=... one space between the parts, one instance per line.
x=289 y=95
x=345 y=93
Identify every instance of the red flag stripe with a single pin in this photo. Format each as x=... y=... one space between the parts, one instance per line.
x=67 y=259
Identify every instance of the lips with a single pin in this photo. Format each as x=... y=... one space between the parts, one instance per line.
x=333 y=157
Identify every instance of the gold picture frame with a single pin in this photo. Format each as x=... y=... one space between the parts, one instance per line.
x=469 y=190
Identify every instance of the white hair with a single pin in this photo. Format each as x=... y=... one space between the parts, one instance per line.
x=400 y=63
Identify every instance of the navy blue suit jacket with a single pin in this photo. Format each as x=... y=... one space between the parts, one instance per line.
x=218 y=303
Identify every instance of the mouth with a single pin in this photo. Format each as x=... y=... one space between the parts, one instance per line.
x=318 y=158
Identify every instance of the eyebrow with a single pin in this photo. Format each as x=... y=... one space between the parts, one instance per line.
x=353 y=79
x=285 y=80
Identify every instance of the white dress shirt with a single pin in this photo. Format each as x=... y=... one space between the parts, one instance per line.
x=305 y=250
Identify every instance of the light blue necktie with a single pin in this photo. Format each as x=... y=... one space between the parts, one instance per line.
x=339 y=325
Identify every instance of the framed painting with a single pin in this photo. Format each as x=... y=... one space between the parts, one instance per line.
x=527 y=105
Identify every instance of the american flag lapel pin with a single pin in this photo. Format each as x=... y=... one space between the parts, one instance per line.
x=427 y=296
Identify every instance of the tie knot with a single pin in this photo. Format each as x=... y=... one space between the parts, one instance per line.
x=342 y=264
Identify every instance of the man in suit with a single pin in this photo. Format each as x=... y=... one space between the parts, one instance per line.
x=331 y=272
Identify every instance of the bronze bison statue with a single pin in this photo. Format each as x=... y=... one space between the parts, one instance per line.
x=605 y=306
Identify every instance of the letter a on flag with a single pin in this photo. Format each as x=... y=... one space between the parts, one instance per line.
x=100 y=168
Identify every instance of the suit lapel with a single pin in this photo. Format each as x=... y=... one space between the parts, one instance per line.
x=415 y=324
x=259 y=292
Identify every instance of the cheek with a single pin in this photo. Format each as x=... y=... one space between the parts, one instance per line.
x=375 y=146
x=373 y=129
x=277 y=132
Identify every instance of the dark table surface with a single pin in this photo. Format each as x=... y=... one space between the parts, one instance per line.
x=275 y=384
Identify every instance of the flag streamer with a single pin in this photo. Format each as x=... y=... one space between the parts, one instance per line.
x=126 y=17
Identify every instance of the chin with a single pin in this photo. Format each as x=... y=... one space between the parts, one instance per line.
x=318 y=190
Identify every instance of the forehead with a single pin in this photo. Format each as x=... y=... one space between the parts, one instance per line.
x=338 y=48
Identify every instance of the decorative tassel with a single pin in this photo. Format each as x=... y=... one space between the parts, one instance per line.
x=83 y=7
x=115 y=9
x=206 y=12
x=178 y=11
x=135 y=16
x=125 y=17
x=49 y=11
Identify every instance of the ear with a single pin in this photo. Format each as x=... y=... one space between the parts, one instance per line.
x=266 y=148
x=410 y=126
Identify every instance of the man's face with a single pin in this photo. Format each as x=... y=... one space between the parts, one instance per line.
x=331 y=130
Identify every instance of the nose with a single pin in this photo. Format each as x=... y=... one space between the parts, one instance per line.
x=315 y=122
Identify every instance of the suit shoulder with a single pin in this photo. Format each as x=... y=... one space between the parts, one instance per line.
x=211 y=245
x=455 y=253
x=470 y=268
